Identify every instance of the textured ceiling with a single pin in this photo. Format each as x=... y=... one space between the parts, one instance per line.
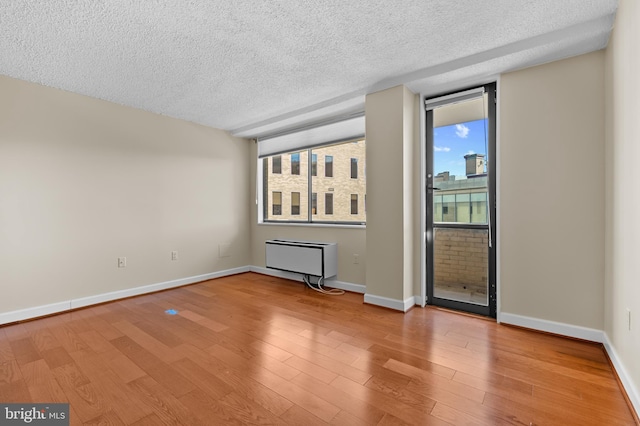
x=254 y=67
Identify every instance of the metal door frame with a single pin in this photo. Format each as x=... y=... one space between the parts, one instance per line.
x=490 y=309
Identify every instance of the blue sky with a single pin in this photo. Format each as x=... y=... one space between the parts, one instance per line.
x=452 y=143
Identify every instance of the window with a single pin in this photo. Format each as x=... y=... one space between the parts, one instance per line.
x=295 y=163
x=277 y=203
x=328 y=203
x=354 y=168
x=295 y=203
x=328 y=166
x=307 y=194
x=314 y=203
x=276 y=164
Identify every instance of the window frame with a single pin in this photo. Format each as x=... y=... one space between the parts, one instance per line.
x=311 y=217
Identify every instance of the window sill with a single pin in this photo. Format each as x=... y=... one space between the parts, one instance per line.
x=314 y=225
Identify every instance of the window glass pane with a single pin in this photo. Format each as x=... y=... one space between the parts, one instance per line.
x=276 y=164
x=295 y=163
x=354 y=168
x=314 y=164
x=277 y=203
x=341 y=184
x=479 y=207
x=437 y=208
x=463 y=210
x=314 y=203
x=328 y=203
x=289 y=207
x=328 y=166
x=295 y=203
x=448 y=208
x=354 y=203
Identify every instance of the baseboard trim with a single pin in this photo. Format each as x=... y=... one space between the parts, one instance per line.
x=583 y=333
x=34 y=312
x=54 y=308
x=385 y=302
x=563 y=329
x=354 y=288
x=630 y=388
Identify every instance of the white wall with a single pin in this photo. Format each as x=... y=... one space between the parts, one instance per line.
x=622 y=285
x=83 y=181
x=551 y=191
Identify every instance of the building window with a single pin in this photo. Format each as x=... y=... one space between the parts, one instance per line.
x=314 y=164
x=328 y=166
x=295 y=204
x=295 y=163
x=276 y=164
x=354 y=168
x=277 y=203
x=314 y=203
x=328 y=203
x=354 y=203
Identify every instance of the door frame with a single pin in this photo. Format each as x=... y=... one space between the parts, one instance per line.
x=427 y=200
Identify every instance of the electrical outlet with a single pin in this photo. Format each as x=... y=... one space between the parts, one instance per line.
x=122 y=262
x=356 y=259
x=174 y=255
x=629 y=319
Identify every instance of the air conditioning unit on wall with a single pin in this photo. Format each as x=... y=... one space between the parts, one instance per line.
x=303 y=257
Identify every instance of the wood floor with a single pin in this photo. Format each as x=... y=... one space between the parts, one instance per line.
x=255 y=349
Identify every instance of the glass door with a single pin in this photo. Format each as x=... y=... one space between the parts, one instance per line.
x=461 y=201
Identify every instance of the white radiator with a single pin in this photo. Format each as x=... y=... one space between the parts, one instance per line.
x=302 y=257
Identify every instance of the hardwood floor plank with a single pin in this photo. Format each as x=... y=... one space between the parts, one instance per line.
x=206 y=409
x=247 y=411
x=41 y=382
x=438 y=387
x=455 y=417
x=56 y=357
x=110 y=418
x=167 y=409
x=96 y=341
x=15 y=392
x=122 y=365
x=148 y=342
x=385 y=402
x=203 y=379
x=238 y=381
x=209 y=323
x=296 y=416
x=10 y=371
x=25 y=351
x=311 y=369
x=44 y=340
x=343 y=400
